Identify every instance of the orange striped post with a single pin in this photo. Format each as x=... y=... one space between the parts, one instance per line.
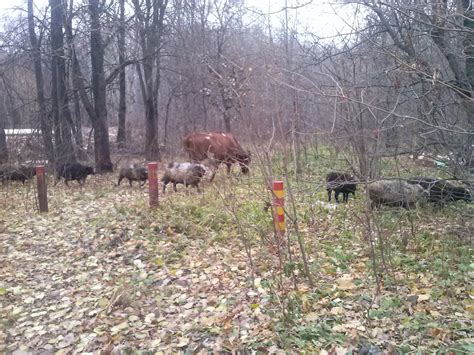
x=42 y=192
x=153 y=184
x=278 y=203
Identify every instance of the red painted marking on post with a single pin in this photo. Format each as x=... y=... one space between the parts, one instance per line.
x=277 y=185
x=153 y=184
x=278 y=202
x=42 y=192
x=278 y=205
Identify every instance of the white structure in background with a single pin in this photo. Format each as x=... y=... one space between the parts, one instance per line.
x=21 y=132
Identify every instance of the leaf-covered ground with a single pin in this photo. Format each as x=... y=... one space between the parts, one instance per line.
x=101 y=271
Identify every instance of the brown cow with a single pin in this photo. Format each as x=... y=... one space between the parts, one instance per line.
x=218 y=148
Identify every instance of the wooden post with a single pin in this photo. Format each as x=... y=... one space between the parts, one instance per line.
x=278 y=204
x=153 y=184
x=42 y=192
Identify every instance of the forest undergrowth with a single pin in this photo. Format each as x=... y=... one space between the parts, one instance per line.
x=204 y=271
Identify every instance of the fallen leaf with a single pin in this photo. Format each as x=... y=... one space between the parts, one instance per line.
x=182 y=342
x=346 y=283
x=118 y=328
x=424 y=297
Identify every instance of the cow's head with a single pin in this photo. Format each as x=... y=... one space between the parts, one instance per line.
x=244 y=161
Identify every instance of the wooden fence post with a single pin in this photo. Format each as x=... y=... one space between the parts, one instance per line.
x=42 y=192
x=279 y=204
x=153 y=183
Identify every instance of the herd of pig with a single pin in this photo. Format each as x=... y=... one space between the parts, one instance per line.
x=223 y=148
x=214 y=147
x=188 y=174
x=398 y=192
x=383 y=192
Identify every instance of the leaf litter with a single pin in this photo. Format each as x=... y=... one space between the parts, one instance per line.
x=85 y=277
x=103 y=272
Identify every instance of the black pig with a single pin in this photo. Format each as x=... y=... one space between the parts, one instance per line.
x=73 y=171
x=340 y=182
x=17 y=173
x=442 y=191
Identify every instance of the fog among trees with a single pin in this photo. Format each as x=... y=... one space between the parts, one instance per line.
x=97 y=78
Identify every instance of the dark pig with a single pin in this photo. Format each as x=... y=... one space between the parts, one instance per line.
x=341 y=183
x=133 y=173
x=73 y=171
x=17 y=173
x=442 y=191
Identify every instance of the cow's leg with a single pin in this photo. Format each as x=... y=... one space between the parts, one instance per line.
x=174 y=187
x=329 y=195
x=229 y=167
x=336 y=195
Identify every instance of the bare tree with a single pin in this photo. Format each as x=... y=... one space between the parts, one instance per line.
x=3 y=138
x=77 y=122
x=431 y=42
x=229 y=17
x=60 y=101
x=150 y=26
x=122 y=111
x=99 y=115
x=40 y=97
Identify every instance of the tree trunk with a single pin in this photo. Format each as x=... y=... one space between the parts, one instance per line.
x=12 y=106
x=64 y=147
x=77 y=122
x=55 y=111
x=3 y=138
x=228 y=104
x=167 y=115
x=77 y=118
x=146 y=84
x=468 y=22
x=204 y=107
x=150 y=29
x=45 y=124
x=121 y=134
x=225 y=92
x=469 y=52
x=152 y=150
x=99 y=120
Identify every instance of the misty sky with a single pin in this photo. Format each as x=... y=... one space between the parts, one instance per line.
x=324 y=18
